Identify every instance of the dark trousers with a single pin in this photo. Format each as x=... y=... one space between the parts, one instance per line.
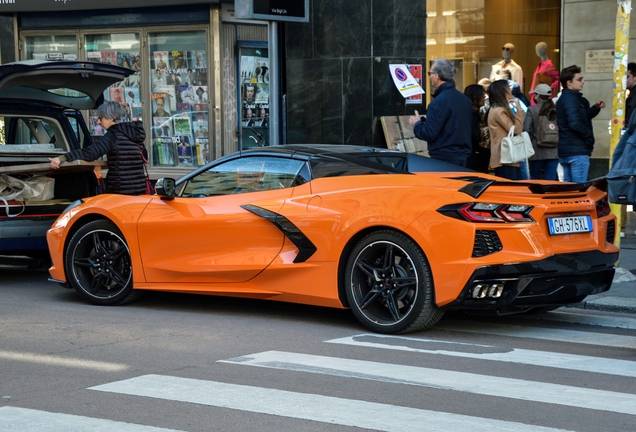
x=509 y=172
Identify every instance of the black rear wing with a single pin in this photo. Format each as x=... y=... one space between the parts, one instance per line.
x=478 y=185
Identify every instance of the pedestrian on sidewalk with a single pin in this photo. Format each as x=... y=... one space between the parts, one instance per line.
x=447 y=125
x=574 y=118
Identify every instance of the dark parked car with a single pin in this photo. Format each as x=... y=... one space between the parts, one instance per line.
x=40 y=105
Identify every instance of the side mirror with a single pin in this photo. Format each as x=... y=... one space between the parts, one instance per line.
x=165 y=188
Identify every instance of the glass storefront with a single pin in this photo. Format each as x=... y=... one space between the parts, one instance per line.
x=484 y=36
x=175 y=100
x=180 y=98
x=55 y=47
x=121 y=50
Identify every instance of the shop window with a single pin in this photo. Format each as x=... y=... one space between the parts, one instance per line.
x=121 y=49
x=482 y=37
x=180 y=98
x=254 y=70
x=56 y=47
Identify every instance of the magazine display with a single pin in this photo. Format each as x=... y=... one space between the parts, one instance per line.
x=180 y=103
x=184 y=110
x=94 y=56
x=161 y=59
x=202 y=151
x=197 y=59
x=164 y=151
x=123 y=60
x=162 y=127
x=178 y=60
x=109 y=57
x=184 y=150
x=182 y=126
x=254 y=87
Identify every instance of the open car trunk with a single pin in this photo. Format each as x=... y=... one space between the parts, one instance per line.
x=25 y=221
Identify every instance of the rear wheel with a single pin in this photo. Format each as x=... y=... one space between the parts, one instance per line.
x=98 y=264
x=389 y=284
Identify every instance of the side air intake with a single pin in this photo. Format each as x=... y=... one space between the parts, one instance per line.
x=486 y=242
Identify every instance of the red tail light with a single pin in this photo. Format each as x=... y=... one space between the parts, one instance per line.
x=602 y=207
x=487 y=212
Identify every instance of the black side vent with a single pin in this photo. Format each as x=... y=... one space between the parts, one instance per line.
x=486 y=243
x=610 y=236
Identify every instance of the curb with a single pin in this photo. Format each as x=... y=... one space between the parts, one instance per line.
x=608 y=304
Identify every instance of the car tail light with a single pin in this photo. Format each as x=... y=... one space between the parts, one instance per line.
x=602 y=207
x=487 y=212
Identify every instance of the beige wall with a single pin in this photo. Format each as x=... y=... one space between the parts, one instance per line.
x=591 y=25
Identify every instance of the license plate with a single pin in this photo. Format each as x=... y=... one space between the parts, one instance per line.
x=570 y=224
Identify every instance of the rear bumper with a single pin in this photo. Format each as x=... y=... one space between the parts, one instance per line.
x=558 y=280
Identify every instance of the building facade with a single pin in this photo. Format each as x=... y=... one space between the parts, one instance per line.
x=211 y=72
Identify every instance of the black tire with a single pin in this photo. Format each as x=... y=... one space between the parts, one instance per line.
x=389 y=284
x=98 y=265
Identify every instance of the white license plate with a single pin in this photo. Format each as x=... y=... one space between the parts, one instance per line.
x=570 y=224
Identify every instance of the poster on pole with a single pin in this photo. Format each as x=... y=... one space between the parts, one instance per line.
x=404 y=81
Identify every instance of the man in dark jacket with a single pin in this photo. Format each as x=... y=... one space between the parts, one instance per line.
x=448 y=118
x=574 y=118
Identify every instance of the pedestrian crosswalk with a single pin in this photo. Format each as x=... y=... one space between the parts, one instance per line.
x=564 y=339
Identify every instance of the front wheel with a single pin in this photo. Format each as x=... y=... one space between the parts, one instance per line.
x=389 y=284
x=98 y=264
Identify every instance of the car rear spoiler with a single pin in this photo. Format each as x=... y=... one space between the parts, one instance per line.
x=478 y=185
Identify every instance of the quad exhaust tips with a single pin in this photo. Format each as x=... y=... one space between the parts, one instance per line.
x=487 y=290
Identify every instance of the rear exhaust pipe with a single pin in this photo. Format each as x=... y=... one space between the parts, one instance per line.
x=492 y=290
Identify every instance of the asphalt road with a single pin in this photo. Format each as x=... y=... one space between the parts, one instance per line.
x=197 y=363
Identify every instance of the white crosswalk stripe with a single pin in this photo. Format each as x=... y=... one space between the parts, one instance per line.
x=488 y=352
x=388 y=415
x=558 y=335
x=566 y=316
x=326 y=409
x=14 y=419
x=443 y=379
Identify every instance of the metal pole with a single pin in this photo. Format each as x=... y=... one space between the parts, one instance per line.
x=274 y=87
x=621 y=50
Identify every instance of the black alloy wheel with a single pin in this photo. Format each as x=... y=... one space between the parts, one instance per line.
x=389 y=284
x=98 y=264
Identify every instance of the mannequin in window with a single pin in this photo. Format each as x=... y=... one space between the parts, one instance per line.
x=545 y=73
x=508 y=63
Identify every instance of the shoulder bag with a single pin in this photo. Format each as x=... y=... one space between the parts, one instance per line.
x=149 y=188
x=515 y=148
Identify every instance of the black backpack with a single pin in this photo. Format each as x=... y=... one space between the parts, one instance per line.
x=547 y=130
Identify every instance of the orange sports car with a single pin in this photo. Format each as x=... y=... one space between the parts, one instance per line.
x=398 y=238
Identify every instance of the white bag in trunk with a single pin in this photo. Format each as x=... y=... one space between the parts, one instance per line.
x=29 y=188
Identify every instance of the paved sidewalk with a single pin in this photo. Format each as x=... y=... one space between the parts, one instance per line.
x=621 y=297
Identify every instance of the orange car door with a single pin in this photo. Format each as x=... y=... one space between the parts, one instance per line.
x=210 y=239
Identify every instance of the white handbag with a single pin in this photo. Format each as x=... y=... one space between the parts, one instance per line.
x=515 y=148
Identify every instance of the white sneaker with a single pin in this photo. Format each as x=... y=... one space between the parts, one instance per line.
x=622 y=234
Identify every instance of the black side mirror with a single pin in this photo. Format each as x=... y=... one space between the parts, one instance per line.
x=165 y=188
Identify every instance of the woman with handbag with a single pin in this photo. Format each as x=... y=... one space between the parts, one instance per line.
x=123 y=143
x=503 y=114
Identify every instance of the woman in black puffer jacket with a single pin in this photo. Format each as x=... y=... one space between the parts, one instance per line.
x=123 y=144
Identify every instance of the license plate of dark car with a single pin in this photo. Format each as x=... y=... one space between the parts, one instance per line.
x=570 y=225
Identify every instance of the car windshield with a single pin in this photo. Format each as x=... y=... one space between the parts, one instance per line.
x=242 y=175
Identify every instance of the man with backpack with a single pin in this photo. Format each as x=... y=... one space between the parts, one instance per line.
x=541 y=125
